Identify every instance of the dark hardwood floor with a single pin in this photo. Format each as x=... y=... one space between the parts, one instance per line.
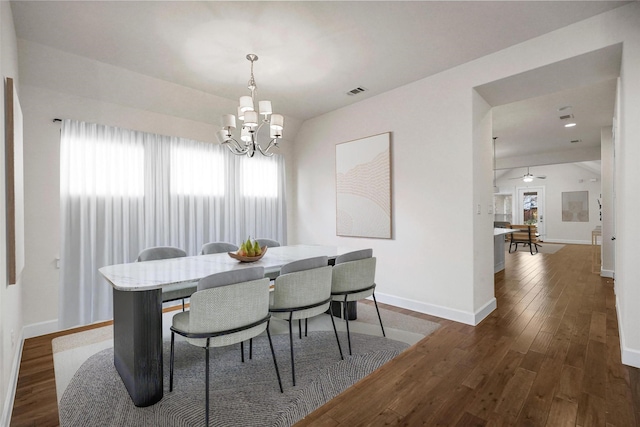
x=548 y=356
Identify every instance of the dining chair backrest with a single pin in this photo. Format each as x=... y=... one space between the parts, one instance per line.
x=304 y=264
x=161 y=252
x=354 y=271
x=305 y=283
x=217 y=248
x=354 y=256
x=230 y=277
x=230 y=306
x=268 y=243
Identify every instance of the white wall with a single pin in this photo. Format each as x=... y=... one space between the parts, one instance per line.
x=56 y=84
x=627 y=182
x=10 y=296
x=560 y=178
x=433 y=262
x=607 y=167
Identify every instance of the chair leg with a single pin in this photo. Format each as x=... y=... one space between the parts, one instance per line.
x=206 y=380
x=306 y=326
x=250 y=348
x=346 y=319
x=335 y=331
x=275 y=363
x=379 y=318
x=300 y=328
x=171 y=363
x=293 y=366
x=182 y=304
x=242 y=351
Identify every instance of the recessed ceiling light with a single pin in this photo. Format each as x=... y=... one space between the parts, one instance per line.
x=569 y=125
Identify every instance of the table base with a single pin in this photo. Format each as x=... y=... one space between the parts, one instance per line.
x=137 y=343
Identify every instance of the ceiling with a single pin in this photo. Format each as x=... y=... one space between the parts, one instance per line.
x=528 y=107
x=311 y=54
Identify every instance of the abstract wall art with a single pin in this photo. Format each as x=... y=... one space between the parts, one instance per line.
x=363 y=187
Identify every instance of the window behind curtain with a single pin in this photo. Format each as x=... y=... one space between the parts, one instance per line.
x=122 y=191
x=197 y=169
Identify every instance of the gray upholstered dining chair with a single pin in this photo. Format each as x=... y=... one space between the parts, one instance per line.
x=176 y=291
x=268 y=243
x=228 y=308
x=354 y=279
x=217 y=248
x=302 y=290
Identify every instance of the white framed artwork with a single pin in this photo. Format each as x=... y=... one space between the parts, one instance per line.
x=363 y=187
x=14 y=182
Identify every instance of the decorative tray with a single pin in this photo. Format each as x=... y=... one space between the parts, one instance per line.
x=248 y=258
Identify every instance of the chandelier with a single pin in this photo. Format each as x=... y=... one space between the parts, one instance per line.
x=252 y=123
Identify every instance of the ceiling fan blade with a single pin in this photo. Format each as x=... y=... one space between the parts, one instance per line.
x=540 y=177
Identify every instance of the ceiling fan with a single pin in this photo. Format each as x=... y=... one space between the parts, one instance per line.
x=528 y=177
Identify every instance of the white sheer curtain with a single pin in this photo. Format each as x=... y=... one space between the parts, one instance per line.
x=122 y=191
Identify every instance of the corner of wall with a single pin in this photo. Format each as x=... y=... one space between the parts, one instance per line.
x=630 y=357
x=7 y=408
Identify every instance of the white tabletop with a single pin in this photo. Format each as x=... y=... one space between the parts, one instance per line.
x=502 y=231
x=142 y=276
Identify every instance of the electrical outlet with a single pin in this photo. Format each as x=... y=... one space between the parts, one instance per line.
x=490 y=209
x=479 y=209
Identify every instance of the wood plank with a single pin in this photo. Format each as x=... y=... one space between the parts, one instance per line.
x=591 y=411
x=515 y=393
x=536 y=408
x=570 y=384
x=595 y=370
x=563 y=413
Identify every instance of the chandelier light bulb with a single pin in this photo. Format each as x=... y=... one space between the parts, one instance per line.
x=527 y=179
x=229 y=121
x=223 y=136
x=277 y=121
x=245 y=135
x=275 y=133
x=246 y=103
x=250 y=118
x=265 y=107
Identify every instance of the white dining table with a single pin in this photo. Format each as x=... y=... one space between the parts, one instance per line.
x=137 y=307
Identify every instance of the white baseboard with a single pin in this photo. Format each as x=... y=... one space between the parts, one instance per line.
x=439 y=311
x=486 y=310
x=42 y=328
x=630 y=357
x=7 y=410
x=607 y=273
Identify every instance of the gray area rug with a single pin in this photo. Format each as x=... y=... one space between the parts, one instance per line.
x=242 y=394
